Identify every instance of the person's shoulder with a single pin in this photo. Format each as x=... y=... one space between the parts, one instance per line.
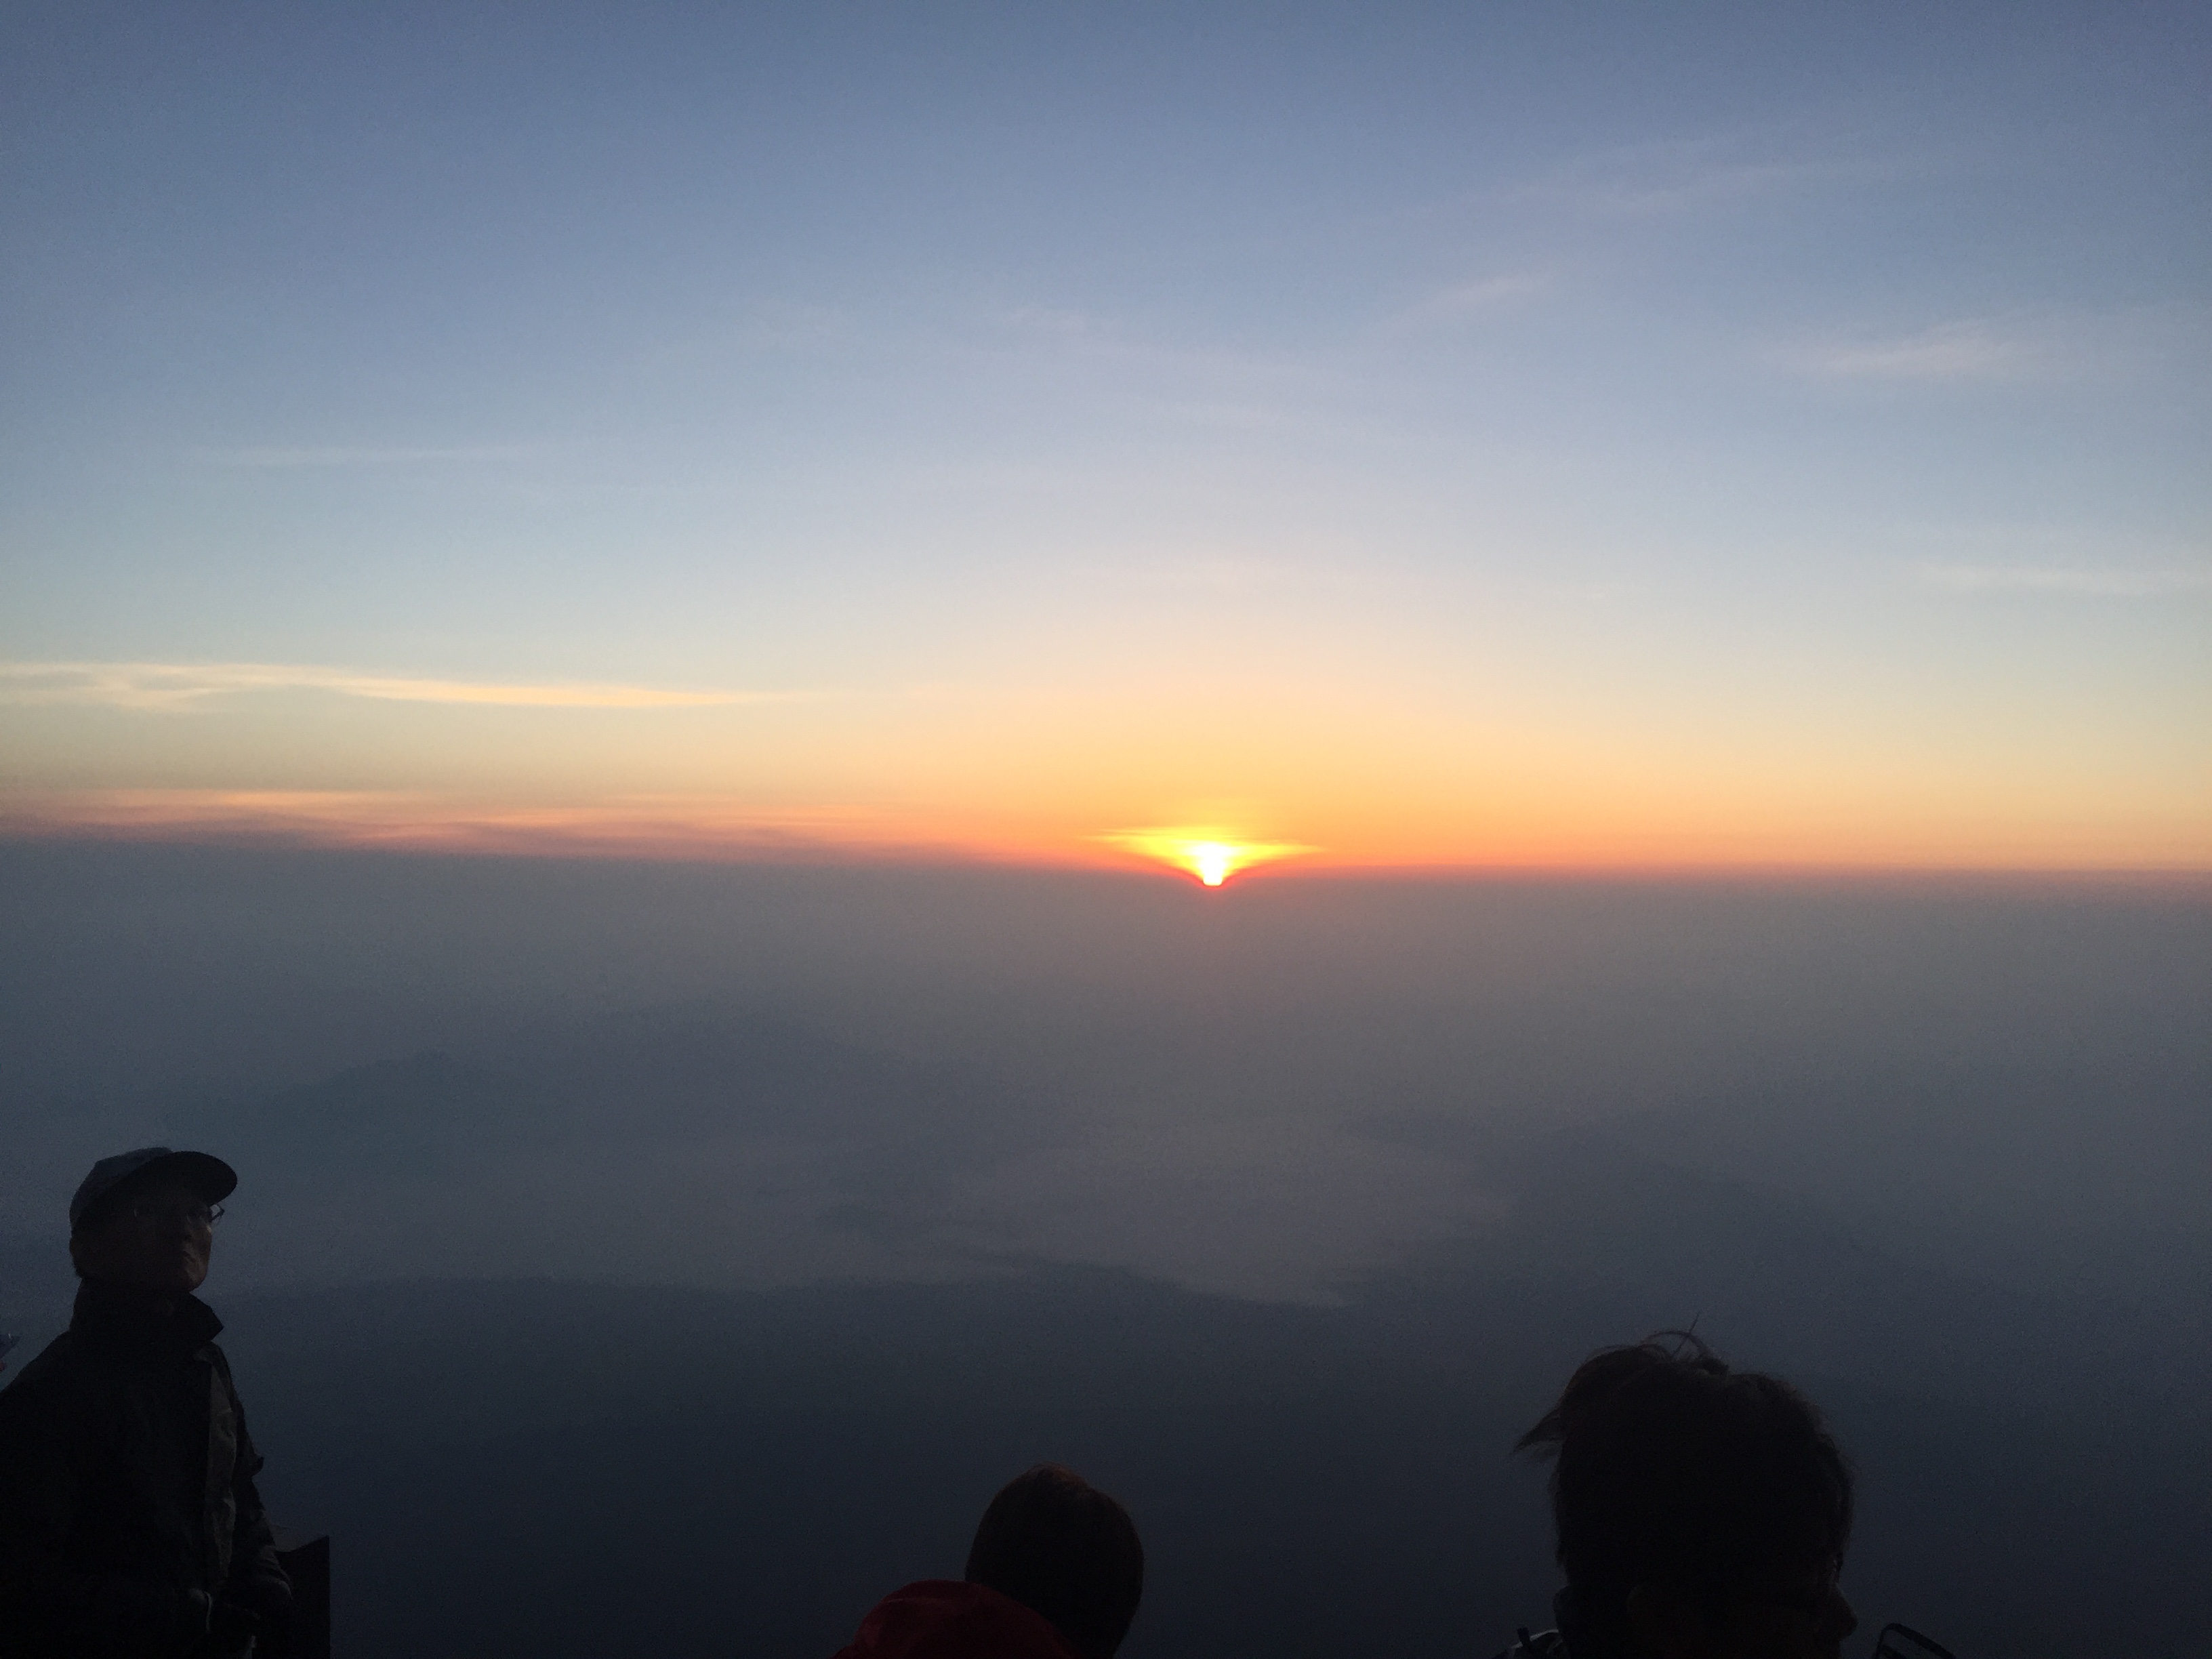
x=1544 y=1644
x=950 y=1619
x=51 y=1375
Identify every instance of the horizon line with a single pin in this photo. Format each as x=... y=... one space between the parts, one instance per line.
x=787 y=850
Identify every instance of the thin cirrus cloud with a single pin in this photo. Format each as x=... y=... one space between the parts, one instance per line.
x=1974 y=348
x=1048 y=332
x=1460 y=301
x=175 y=687
x=344 y=455
x=685 y=826
x=2058 y=581
x=2015 y=347
x=1656 y=180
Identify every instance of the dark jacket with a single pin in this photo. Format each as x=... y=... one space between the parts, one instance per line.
x=128 y=1512
x=1544 y=1644
x=941 y=1618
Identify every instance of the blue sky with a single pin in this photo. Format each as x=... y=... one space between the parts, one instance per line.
x=1694 y=428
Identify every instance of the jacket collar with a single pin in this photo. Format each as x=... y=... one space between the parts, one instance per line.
x=131 y=1322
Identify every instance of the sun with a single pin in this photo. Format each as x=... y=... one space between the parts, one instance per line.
x=1211 y=854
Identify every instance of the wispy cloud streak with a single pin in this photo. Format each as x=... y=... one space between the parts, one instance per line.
x=2088 y=584
x=1463 y=300
x=676 y=827
x=342 y=455
x=2015 y=347
x=1656 y=180
x=1973 y=349
x=170 y=687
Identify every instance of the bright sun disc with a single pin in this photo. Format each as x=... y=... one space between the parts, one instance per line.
x=1207 y=853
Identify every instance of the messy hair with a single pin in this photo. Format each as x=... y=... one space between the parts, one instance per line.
x=1670 y=1468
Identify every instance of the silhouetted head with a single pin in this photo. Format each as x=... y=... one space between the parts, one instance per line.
x=1702 y=1513
x=147 y=1219
x=1055 y=1543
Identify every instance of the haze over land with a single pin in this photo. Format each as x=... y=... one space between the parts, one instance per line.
x=902 y=1041
x=1935 y=1146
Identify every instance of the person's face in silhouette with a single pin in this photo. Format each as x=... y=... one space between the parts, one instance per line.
x=156 y=1236
x=1798 y=1616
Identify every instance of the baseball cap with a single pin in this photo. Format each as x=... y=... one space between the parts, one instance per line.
x=212 y=1178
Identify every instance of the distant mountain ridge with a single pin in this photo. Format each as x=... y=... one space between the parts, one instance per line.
x=636 y=1076
x=648 y=1123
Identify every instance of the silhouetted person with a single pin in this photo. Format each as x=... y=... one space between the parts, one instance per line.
x=1055 y=1572
x=1702 y=1513
x=129 y=1521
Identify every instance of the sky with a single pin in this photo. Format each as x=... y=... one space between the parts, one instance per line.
x=1381 y=437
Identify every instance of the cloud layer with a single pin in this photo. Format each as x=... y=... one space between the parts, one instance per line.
x=169 y=687
x=1974 y=348
x=2092 y=584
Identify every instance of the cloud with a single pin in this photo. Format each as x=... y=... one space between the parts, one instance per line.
x=169 y=687
x=1462 y=301
x=1062 y=334
x=1656 y=180
x=1065 y=322
x=1973 y=349
x=342 y=455
x=645 y=826
x=2017 y=346
x=2091 y=584
x=786 y=325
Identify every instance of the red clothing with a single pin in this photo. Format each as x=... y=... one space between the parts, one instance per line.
x=938 y=1618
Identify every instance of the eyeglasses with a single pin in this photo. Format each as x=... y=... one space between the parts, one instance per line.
x=193 y=1215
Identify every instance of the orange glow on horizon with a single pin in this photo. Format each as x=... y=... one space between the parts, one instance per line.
x=692 y=826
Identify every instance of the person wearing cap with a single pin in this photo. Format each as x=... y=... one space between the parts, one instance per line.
x=129 y=1521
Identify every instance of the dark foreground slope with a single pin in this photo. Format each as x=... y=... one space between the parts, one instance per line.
x=545 y=1468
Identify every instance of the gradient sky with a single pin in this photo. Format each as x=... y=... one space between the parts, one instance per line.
x=1447 y=435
